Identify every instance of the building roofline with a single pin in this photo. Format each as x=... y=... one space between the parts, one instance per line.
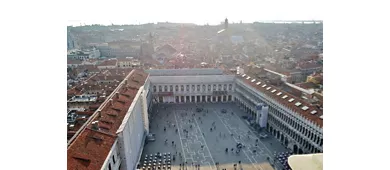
x=94 y=115
x=94 y=143
x=299 y=108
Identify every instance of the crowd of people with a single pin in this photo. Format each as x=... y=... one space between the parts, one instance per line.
x=282 y=158
x=194 y=116
x=156 y=161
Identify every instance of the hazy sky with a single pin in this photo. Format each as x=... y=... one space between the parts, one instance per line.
x=195 y=11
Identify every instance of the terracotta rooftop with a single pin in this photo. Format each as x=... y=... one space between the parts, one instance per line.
x=118 y=71
x=125 y=59
x=307 y=85
x=84 y=112
x=108 y=63
x=95 y=87
x=90 y=148
x=277 y=69
x=76 y=90
x=73 y=92
x=93 y=82
x=92 y=60
x=90 y=68
x=297 y=105
x=110 y=77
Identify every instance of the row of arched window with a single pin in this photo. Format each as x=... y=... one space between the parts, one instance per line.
x=304 y=131
x=193 y=88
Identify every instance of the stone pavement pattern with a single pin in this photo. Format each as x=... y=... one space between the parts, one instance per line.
x=189 y=145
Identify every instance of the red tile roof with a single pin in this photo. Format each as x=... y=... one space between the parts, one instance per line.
x=307 y=85
x=84 y=113
x=291 y=105
x=278 y=69
x=91 y=147
x=92 y=80
x=108 y=63
x=73 y=91
x=118 y=71
x=76 y=90
x=94 y=107
x=90 y=68
x=89 y=150
x=124 y=59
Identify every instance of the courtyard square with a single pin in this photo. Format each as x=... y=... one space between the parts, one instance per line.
x=202 y=136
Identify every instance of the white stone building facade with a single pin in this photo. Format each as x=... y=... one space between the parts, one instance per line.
x=296 y=132
x=208 y=85
x=293 y=130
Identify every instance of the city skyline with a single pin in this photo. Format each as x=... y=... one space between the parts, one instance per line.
x=200 y=13
x=80 y=23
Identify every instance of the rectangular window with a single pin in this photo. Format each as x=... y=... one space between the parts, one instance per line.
x=165 y=88
x=225 y=87
x=214 y=87
x=193 y=87
x=197 y=87
x=188 y=88
x=204 y=87
x=154 y=89
x=171 y=88
x=230 y=86
x=219 y=87
x=182 y=87
x=176 y=88
x=209 y=87
x=159 y=88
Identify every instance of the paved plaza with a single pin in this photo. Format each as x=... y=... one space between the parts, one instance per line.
x=201 y=138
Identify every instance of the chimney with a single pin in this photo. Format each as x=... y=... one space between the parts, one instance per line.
x=111 y=102
x=117 y=95
x=95 y=125
x=125 y=81
x=99 y=113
